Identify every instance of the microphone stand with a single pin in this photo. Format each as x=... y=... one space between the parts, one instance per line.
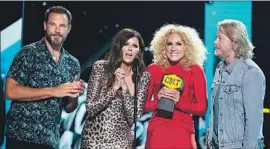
x=135 y=102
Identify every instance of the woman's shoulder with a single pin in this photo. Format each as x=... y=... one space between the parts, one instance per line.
x=197 y=69
x=146 y=73
x=100 y=63
x=154 y=66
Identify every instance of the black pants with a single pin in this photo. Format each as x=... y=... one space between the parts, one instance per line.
x=16 y=144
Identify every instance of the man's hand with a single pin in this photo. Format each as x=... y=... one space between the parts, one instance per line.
x=66 y=89
x=81 y=85
x=72 y=101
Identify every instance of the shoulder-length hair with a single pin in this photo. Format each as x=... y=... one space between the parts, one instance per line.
x=237 y=33
x=115 y=55
x=195 y=53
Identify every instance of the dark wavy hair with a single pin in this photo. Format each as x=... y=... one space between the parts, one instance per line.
x=115 y=55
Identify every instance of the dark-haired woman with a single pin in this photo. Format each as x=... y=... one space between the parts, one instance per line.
x=110 y=96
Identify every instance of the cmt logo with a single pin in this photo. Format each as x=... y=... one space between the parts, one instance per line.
x=173 y=81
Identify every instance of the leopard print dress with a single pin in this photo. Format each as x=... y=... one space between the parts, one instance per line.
x=110 y=113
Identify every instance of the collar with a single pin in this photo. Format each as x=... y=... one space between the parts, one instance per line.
x=44 y=47
x=230 y=67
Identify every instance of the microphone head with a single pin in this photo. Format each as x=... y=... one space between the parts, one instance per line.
x=136 y=61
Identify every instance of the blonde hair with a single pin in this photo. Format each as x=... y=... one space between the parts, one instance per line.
x=237 y=33
x=195 y=53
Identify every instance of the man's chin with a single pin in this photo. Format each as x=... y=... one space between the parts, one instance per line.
x=56 y=45
x=217 y=53
x=57 y=42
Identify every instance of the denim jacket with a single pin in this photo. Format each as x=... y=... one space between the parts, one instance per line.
x=242 y=91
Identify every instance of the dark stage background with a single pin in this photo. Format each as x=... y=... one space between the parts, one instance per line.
x=95 y=23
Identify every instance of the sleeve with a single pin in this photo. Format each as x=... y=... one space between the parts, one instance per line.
x=253 y=96
x=75 y=69
x=21 y=66
x=97 y=99
x=150 y=104
x=128 y=101
x=78 y=69
x=200 y=94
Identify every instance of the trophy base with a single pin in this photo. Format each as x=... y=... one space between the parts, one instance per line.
x=164 y=114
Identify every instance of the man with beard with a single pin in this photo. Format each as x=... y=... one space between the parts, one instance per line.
x=43 y=78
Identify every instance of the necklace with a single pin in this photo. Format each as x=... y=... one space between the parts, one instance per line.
x=53 y=56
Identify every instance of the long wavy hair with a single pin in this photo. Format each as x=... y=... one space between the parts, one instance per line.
x=236 y=31
x=195 y=53
x=115 y=55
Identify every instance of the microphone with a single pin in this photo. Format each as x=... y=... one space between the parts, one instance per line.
x=135 y=64
x=165 y=106
x=135 y=67
x=136 y=61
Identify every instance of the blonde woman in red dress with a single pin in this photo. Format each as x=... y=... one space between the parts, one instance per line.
x=177 y=50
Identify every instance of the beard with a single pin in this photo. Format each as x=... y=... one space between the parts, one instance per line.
x=55 y=40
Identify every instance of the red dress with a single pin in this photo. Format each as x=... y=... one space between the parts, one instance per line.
x=165 y=133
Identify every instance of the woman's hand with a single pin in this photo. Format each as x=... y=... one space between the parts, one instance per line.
x=119 y=76
x=172 y=94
